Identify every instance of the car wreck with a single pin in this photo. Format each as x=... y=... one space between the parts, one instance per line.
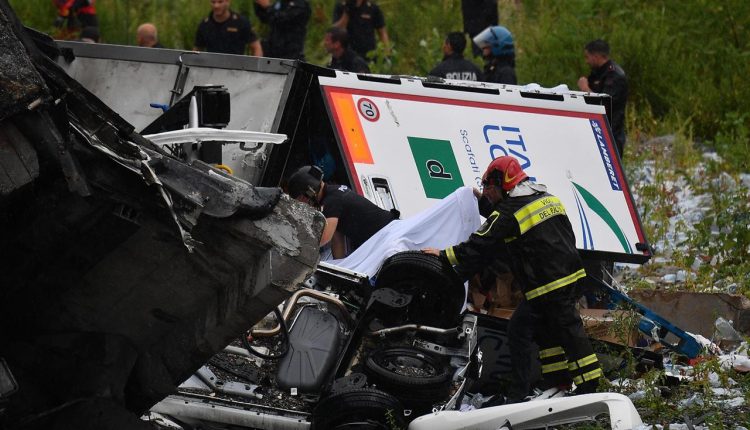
x=154 y=275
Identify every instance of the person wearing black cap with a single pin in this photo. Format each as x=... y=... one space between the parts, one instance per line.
x=454 y=65
x=348 y=215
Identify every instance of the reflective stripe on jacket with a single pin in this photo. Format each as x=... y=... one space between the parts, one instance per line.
x=538 y=234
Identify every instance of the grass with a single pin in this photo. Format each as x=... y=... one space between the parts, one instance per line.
x=687 y=61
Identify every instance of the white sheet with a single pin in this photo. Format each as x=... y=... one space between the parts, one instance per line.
x=448 y=222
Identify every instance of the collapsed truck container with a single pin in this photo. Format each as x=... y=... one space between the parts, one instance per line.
x=403 y=142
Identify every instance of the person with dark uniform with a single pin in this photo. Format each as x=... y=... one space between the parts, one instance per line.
x=499 y=55
x=77 y=13
x=287 y=20
x=336 y=43
x=361 y=19
x=454 y=65
x=227 y=32
x=541 y=245
x=606 y=77
x=348 y=215
x=478 y=15
x=609 y=78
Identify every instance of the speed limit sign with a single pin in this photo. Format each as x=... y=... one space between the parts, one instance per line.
x=368 y=109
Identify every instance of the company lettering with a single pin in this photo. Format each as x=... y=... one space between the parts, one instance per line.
x=506 y=140
x=437 y=171
x=470 y=156
x=601 y=143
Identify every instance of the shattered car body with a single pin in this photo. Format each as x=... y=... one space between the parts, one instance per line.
x=123 y=268
x=391 y=370
x=354 y=354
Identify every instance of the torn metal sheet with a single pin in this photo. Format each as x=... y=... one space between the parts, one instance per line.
x=536 y=414
x=103 y=312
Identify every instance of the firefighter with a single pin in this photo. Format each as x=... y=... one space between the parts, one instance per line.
x=544 y=259
x=348 y=215
x=77 y=13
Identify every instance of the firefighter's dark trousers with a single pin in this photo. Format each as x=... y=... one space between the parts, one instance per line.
x=522 y=350
x=564 y=349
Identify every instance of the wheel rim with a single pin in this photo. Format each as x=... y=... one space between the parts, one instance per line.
x=416 y=366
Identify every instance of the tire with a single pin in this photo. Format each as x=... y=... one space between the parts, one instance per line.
x=438 y=296
x=415 y=377
x=362 y=408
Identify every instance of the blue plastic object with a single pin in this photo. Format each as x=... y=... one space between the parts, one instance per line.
x=163 y=108
x=653 y=325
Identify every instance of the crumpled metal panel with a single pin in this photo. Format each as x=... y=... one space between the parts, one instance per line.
x=123 y=270
x=18 y=161
x=20 y=84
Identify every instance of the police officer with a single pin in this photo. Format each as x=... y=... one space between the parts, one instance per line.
x=336 y=43
x=499 y=55
x=454 y=65
x=226 y=31
x=541 y=243
x=478 y=15
x=287 y=20
x=348 y=215
x=609 y=78
x=361 y=19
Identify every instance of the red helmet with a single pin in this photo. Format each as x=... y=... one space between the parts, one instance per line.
x=504 y=171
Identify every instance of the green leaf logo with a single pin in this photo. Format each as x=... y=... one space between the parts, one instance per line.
x=595 y=205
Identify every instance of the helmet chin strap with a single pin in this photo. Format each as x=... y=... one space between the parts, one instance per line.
x=313 y=196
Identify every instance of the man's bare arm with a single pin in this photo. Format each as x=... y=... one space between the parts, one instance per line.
x=256 y=49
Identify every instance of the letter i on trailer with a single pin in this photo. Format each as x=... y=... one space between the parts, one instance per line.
x=406 y=143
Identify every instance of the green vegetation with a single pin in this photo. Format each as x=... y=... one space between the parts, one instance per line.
x=687 y=61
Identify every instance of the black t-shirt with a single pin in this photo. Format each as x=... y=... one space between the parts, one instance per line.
x=359 y=218
x=350 y=62
x=500 y=70
x=228 y=37
x=288 y=21
x=363 y=21
x=478 y=15
x=610 y=79
x=457 y=67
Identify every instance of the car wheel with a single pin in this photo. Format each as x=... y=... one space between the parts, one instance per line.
x=363 y=408
x=415 y=377
x=438 y=295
